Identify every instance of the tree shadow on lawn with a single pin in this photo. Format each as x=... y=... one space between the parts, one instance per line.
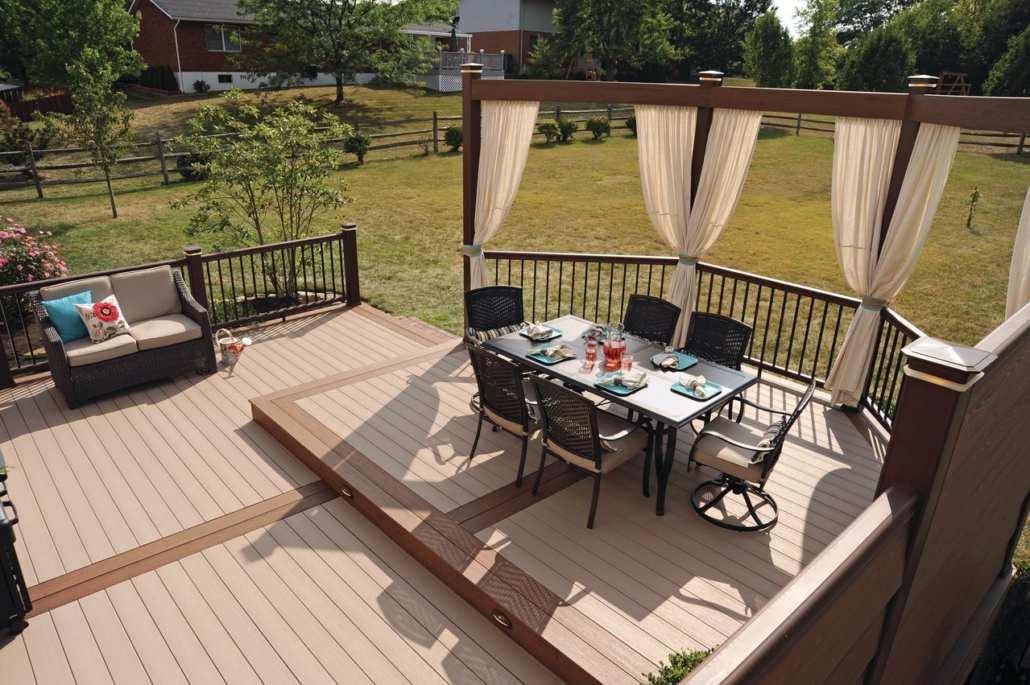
x=1012 y=157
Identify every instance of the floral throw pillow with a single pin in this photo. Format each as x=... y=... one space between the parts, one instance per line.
x=103 y=319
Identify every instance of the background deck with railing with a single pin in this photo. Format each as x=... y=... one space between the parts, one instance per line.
x=798 y=331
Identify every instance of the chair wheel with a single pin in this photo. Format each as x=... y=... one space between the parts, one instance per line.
x=16 y=625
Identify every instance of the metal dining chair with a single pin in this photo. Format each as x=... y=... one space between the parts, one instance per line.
x=721 y=340
x=494 y=311
x=506 y=398
x=580 y=434
x=651 y=318
x=745 y=459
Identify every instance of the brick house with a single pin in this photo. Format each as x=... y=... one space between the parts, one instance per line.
x=513 y=26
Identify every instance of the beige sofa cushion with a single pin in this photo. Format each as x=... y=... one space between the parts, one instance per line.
x=146 y=294
x=84 y=351
x=165 y=330
x=98 y=287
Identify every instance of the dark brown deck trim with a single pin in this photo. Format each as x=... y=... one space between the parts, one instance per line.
x=423 y=334
x=558 y=635
x=73 y=586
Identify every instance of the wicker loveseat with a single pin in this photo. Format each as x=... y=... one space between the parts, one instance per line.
x=171 y=334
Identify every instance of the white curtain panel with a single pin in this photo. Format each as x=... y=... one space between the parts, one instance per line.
x=885 y=270
x=1019 y=272
x=506 y=133
x=666 y=141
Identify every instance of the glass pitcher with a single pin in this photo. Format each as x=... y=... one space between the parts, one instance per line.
x=614 y=345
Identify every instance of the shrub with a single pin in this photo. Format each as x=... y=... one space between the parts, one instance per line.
x=631 y=123
x=200 y=86
x=193 y=166
x=358 y=144
x=680 y=664
x=599 y=126
x=549 y=129
x=26 y=256
x=454 y=137
x=566 y=128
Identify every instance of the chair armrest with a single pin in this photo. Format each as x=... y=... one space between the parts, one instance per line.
x=771 y=410
x=731 y=441
x=190 y=306
x=642 y=422
x=52 y=343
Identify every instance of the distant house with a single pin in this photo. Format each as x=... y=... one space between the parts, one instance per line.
x=196 y=38
x=512 y=26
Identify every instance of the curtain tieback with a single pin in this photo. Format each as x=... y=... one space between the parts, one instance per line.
x=688 y=260
x=472 y=250
x=873 y=304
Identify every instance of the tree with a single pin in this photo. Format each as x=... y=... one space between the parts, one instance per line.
x=769 y=53
x=932 y=35
x=881 y=61
x=48 y=36
x=817 y=51
x=710 y=34
x=615 y=33
x=99 y=121
x=343 y=37
x=986 y=26
x=268 y=180
x=857 y=18
x=1010 y=75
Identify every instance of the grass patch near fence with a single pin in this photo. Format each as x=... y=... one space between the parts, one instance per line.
x=585 y=197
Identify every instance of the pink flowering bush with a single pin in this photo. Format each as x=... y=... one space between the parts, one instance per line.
x=27 y=256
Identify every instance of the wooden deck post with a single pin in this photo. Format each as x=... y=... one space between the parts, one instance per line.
x=709 y=79
x=161 y=156
x=35 y=172
x=198 y=286
x=472 y=124
x=349 y=239
x=436 y=134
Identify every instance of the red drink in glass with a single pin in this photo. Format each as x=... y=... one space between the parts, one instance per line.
x=591 y=351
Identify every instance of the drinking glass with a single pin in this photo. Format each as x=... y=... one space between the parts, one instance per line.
x=627 y=363
x=591 y=351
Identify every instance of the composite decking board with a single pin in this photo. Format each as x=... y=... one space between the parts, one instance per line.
x=80 y=645
x=50 y=663
x=113 y=643
x=398 y=509
x=150 y=645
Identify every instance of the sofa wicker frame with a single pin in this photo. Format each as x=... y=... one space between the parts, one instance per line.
x=81 y=383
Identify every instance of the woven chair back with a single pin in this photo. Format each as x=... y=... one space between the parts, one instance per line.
x=718 y=339
x=651 y=318
x=500 y=385
x=570 y=420
x=494 y=307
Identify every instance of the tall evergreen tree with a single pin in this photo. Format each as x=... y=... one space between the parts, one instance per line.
x=769 y=53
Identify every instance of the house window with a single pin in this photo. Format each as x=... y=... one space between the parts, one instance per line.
x=533 y=40
x=225 y=78
x=222 y=38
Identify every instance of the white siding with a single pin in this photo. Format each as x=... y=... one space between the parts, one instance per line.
x=488 y=15
x=537 y=16
x=244 y=81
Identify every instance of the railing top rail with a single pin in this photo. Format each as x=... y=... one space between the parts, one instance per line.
x=843 y=300
x=906 y=326
x=270 y=247
x=36 y=285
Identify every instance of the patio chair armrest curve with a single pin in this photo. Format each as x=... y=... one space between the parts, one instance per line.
x=771 y=410
x=731 y=441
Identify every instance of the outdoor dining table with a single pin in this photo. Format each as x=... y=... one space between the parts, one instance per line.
x=669 y=410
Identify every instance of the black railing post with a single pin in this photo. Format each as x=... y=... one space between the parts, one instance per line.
x=436 y=134
x=349 y=239
x=6 y=377
x=198 y=287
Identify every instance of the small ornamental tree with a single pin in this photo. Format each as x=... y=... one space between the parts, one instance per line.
x=549 y=130
x=27 y=256
x=599 y=126
x=268 y=180
x=453 y=137
x=566 y=128
x=358 y=144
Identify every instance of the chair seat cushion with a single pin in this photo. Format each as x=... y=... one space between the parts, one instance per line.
x=730 y=459
x=165 y=330
x=622 y=449
x=84 y=351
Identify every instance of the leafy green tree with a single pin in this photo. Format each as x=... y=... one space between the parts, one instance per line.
x=857 y=18
x=49 y=36
x=342 y=36
x=817 y=51
x=881 y=62
x=933 y=36
x=548 y=58
x=710 y=34
x=99 y=123
x=269 y=180
x=769 y=53
x=1011 y=76
x=986 y=26
x=615 y=33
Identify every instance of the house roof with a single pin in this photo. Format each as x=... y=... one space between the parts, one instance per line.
x=432 y=29
x=201 y=10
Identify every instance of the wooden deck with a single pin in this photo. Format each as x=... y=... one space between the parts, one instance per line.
x=168 y=537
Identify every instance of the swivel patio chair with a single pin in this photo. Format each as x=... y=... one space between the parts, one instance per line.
x=582 y=435
x=493 y=311
x=651 y=318
x=506 y=398
x=745 y=460
x=721 y=340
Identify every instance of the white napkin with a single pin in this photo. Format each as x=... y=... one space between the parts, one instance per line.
x=695 y=383
x=631 y=380
x=538 y=331
x=669 y=361
x=595 y=332
x=556 y=352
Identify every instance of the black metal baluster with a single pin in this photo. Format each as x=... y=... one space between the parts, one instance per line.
x=793 y=329
x=808 y=330
x=819 y=342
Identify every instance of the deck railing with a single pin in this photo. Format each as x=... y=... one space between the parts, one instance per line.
x=798 y=331
x=238 y=287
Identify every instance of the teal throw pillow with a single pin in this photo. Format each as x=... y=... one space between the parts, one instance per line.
x=66 y=318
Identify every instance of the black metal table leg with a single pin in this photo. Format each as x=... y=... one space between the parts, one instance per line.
x=664 y=464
